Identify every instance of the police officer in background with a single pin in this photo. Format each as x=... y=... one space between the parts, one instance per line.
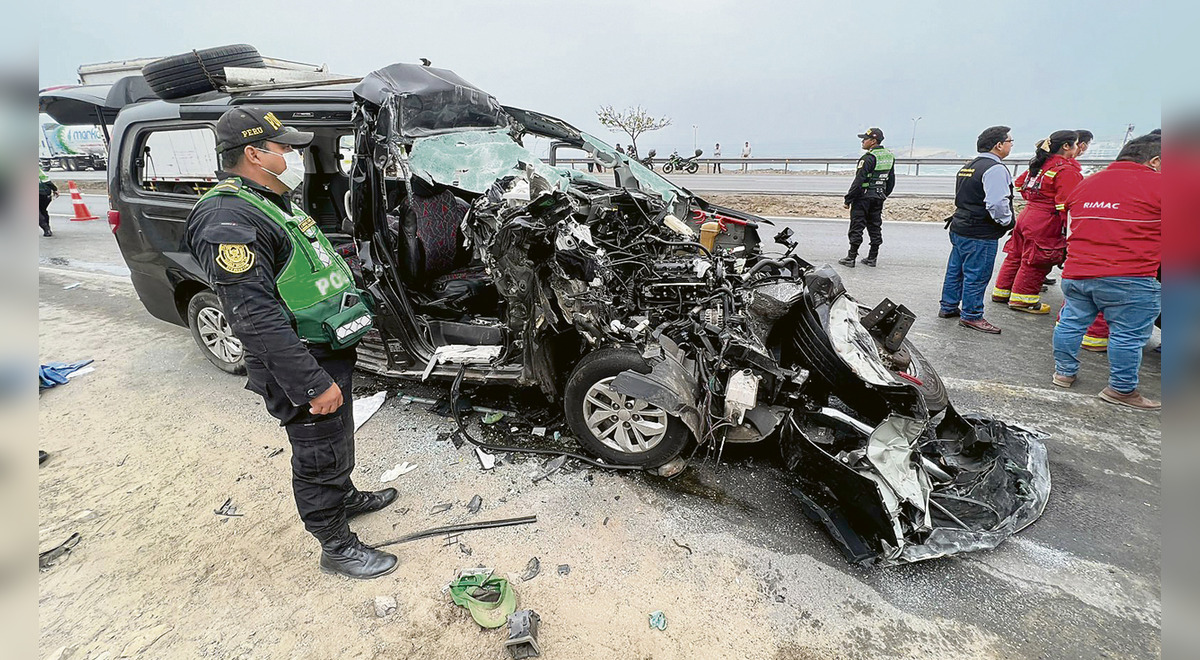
x=874 y=179
x=290 y=299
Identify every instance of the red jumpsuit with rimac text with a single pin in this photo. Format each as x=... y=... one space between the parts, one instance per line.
x=1038 y=242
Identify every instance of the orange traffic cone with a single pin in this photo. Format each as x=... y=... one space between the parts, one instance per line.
x=81 y=209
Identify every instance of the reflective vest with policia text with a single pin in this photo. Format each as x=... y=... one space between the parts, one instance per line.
x=316 y=285
x=876 y=180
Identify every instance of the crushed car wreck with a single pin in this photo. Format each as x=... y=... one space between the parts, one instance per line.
x=657 y=319
x=656 y=335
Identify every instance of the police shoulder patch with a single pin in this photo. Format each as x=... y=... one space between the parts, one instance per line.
x=234 y=258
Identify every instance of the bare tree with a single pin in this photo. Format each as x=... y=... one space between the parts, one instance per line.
x=632 y=121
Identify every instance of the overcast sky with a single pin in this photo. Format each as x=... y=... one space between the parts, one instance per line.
x=792 y=78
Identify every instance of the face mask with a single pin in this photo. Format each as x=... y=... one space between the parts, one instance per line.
x=293 y=172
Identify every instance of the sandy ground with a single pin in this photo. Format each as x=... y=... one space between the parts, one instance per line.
x=157 y=574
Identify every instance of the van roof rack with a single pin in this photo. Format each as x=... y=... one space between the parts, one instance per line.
x=242 y=79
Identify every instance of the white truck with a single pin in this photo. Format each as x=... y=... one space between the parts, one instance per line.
x=71 y=147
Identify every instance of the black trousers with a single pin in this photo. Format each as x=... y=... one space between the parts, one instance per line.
x=322 y=445
x=44 y=212
x=866 y=214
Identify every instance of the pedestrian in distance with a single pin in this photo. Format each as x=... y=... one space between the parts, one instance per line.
x=1038 y=243
x=717 y=156
x=47 y=191
x=745 y=156
x=1114 y=251
x=983 y=212
x=292 y=301
x=874 y=179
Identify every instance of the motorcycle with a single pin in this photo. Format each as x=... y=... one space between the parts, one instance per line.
x=677 y=162
x=648 y=161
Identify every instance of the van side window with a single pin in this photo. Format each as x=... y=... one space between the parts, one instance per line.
x=345 y=153
x=179 y=162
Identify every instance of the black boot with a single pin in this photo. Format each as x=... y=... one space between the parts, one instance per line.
x=848 y=262
x=359 y=502
x=352 y=558
x=869 y=261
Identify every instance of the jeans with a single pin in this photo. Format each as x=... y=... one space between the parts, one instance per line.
x=967 y=274
x=1130 y=305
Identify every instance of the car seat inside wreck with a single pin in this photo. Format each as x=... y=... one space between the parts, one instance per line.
x=660 y=323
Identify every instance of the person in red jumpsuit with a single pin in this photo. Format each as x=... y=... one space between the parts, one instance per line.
x=1096 y=339
x=1038 y=242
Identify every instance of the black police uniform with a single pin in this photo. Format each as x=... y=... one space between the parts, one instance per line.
x=287 y=372
x=866 y=204
x=46 y=190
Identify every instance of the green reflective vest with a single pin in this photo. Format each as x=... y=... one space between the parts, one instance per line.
x=316 y=285
x=883 y=165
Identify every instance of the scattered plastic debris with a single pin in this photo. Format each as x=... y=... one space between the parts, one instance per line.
x=522 y=634
x=564 y=569
x=493 y=417
x=539 y=431
x=488 y=598
x=275 y=452
x=658 y=620
x=440 y=508
x=553 y=466
x=365 y=408
x=52 y=556
x=486 y=460
x=532 y=569
x=71 y=286
x=227 y=509
x=474 y=505
x=400 y=470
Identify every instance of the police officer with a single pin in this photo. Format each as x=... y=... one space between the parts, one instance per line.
x=874 y=179
x=47 y=191
x=291 y=300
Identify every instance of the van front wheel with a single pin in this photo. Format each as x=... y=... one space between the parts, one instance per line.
x=213 y=335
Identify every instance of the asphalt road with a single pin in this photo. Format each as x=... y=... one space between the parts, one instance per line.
x=1082 y=582
x=736 y=182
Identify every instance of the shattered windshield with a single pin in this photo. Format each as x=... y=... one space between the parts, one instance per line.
x=457 y=109
x=474 y=160
x=647 y=178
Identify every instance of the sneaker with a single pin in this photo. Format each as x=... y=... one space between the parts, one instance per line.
x=1063 y=381
x=868 y=261
x=848 y=262
x=952 y=314
x=1036 y=308
x=1133 y=399
x=982 y=325
x=47 y=233
x=1049 y=281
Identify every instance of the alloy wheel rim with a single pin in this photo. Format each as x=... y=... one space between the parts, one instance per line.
x=623 y=423
x=217 y=336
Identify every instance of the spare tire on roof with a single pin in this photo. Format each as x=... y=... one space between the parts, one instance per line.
x=199 y=71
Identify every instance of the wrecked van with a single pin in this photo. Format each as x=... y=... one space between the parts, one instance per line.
x=659 y=321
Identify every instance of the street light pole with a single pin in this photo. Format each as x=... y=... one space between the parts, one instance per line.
x=694 y=145
x=913 y=143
